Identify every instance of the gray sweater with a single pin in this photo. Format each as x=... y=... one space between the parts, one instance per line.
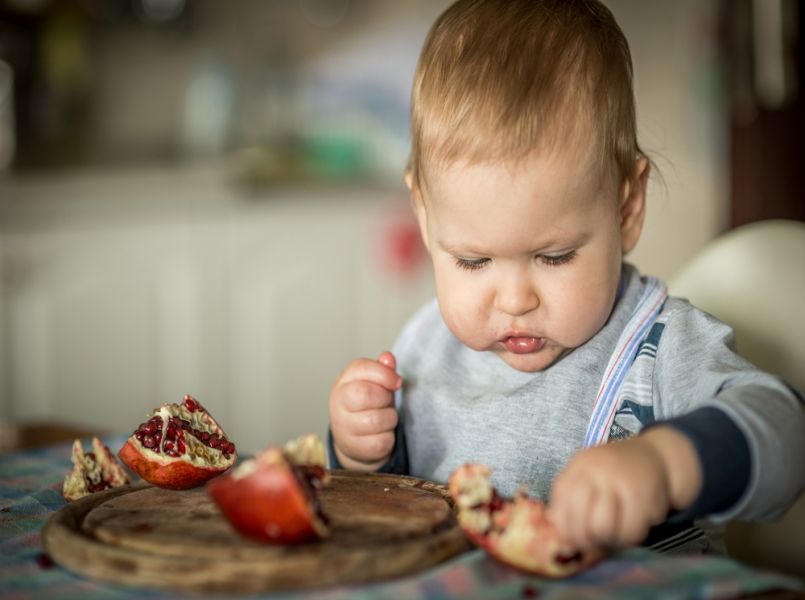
x=459 y=405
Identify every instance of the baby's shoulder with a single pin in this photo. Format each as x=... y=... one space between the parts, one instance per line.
x=685 y=328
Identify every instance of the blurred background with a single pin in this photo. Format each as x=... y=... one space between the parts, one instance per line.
x=206 y=197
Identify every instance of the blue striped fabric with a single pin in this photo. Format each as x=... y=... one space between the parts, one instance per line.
x=646 y=311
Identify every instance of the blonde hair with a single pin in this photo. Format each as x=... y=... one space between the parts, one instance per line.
x=499 y=79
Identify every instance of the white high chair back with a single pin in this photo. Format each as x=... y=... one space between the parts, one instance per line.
x=753 y=278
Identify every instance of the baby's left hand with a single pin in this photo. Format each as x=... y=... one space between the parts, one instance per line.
x=611 y=495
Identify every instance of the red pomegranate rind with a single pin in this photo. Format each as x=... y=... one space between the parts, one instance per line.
x=515 y=532
x=271 y=499
x=179 y=447
x=93 y=471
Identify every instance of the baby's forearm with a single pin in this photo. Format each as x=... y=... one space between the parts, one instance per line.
x=683 y=468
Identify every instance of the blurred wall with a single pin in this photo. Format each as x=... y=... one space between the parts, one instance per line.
x=220 y=222
x=683 y=118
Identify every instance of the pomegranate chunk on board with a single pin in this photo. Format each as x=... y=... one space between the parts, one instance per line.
x=179 y=447
x=93 y=471
x=273 y=497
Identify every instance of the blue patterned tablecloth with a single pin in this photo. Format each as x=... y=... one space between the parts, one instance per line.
x=30 y=492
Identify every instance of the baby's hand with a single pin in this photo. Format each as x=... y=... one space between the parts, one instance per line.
x=611 y=495
x=362 y=412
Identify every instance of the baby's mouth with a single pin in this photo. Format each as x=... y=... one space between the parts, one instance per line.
x=517 y=344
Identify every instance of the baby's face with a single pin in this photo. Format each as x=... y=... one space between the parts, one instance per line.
x=527 y=256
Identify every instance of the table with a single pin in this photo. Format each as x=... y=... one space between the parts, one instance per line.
x=30 y=492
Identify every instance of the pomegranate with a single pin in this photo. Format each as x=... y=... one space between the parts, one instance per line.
x=92 y=471
x=273 y=497
x=179 y=447
x=515 y=532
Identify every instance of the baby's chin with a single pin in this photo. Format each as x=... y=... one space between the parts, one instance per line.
x=533 y=362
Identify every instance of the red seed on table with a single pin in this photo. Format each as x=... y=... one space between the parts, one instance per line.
x=44 y=561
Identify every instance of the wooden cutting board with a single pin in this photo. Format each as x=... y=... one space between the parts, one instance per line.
x=382 y=526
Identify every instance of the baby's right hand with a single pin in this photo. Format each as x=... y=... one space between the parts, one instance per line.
x=362 y=412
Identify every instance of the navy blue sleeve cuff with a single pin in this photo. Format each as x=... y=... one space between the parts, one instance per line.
x=725 y=459
x=397 y=464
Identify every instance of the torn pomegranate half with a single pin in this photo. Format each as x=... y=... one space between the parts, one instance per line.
x=179 y=447
x=274 y=497
x=93 y=471
x=515 y=532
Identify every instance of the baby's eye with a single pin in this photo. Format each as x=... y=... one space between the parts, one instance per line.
x=555 y=261
x=471 y=264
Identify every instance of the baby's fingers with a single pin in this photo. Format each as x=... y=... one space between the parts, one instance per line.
x=370 y=422
x=604 y=521
x=359 y=396
x=372 y=371
x=370 y=448
x=571 y=500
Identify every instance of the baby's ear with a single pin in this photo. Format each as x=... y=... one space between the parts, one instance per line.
x=408 y=178
x=633 y=204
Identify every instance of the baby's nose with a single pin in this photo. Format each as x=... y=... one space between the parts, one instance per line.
x=517 y=297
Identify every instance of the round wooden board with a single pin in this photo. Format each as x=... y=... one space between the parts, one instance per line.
x=382 y=526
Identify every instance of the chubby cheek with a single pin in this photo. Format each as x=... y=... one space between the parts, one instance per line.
x=585 y=306
x=464 y=310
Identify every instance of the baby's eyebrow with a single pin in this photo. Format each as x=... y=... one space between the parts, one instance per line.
x=460 y=249
x=557 y=244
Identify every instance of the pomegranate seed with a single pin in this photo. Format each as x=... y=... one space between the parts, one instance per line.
x=171 y=432
x=214 y=441
x=168 y=445
x=190 y=404
x=148 y=441
x=564 y=559
x=44 y=561
x=158 y=436
x=181 y=447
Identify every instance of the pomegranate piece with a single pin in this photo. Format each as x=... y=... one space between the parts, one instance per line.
x=515 y=532
x=93 y=471
x=179 y=447
x=273 y=497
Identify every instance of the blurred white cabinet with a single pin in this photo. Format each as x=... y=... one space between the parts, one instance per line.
x=120 y=295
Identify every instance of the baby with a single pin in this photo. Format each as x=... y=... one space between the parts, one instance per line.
x=545 y=356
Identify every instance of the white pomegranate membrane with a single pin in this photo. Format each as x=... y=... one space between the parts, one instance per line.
x=92 y=472
x=183 y=430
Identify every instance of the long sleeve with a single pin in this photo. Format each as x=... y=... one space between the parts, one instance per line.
x=748 y=426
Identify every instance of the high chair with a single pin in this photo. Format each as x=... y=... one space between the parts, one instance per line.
x=753 y=278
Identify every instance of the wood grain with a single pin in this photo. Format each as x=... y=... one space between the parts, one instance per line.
x=382 y=526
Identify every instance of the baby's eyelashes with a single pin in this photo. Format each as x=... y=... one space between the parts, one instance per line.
x=551 y=260
x=556 y=260
x=471 y=264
